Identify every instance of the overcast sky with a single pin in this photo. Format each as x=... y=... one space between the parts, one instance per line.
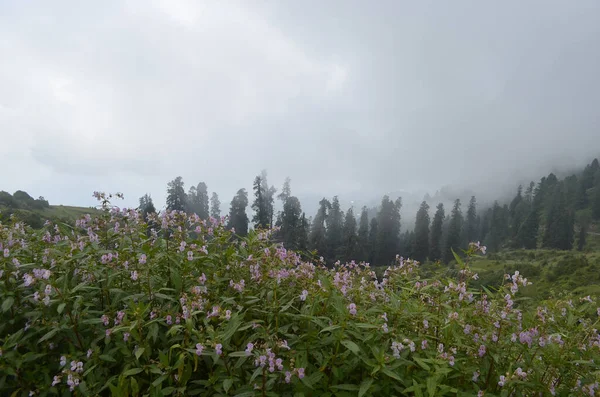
x=345 y=97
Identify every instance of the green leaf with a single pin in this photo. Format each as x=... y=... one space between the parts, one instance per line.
x=227 y=383
x=7 y=304
x=238 y=354
x=61 y=307
x=309 y=381
x=159 y=380
x=106 y=357
x=353 y=347
x=391 y=374
x=330 y=328
x=139 y=352
x=135 y=388
x=365 y=386
x=459 y=261
x=431 y=385
x=366 y=326
x=417 y=389
x=422 y=364
x=49 y=335
x=133 y=371
x=167 y=391
x=346 y=386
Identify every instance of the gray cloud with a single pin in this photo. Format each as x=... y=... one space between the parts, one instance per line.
x=346 y=98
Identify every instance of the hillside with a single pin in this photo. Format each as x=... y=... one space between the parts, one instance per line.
x=35 y=212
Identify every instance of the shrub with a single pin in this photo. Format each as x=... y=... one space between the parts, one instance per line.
x=189 y=309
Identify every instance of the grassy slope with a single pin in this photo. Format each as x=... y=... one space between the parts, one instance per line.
x=552 y=272
x=58 y=213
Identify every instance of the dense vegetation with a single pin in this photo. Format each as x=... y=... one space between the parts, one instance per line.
x=177 y=305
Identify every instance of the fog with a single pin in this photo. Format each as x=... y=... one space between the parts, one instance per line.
x=350 y=98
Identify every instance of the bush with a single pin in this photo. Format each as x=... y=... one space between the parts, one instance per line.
x=192 y=310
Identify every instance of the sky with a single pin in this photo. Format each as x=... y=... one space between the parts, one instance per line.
x=345 y=97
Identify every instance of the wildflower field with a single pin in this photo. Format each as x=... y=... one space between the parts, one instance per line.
x=179 y=306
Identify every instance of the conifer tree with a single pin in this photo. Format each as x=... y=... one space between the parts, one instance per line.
x=202 y=194
x=471 y=225
x=421 y=234
x=286 y=191
x=435 y=241
x=291 y=224
x=176 y=197
x=350 y=239
x=303 y=235
x=558 y=233
x=317 y=238
x=260 y=206
x=373 y=236
x=363 y=236
x=238 y=219
x=215 y=206
x=335 y=225
x=146 y=206
x=453 y=236
x=388 y=239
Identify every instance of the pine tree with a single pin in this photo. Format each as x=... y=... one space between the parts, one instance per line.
x=238 y=219
x=215 y=206
x=291 y=224
x=527 y=235
x=388 y=238
x=286 y=191
x=470 y=227
x=421 y=234
x=269 y=197
x=373 y=236
x=176 y=197
x=453 y=236
x=559 y=222
x=261 y=216
x=349 y=238
x=303 y=235
x=498 y=228
x=146 y=206
x=202 y=199
x=435 y=243
x=317 y=238
x=409 y=244
x=584 y=225
x=335 y=225
x=363 y=236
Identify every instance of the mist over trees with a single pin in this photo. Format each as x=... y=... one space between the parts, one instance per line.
x=553 y=214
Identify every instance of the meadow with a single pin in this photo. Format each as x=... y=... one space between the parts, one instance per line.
x=176 y=305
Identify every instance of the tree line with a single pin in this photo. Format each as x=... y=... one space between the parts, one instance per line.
x=543 y=215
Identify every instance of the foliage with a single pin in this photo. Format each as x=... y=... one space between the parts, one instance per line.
x=104 y=307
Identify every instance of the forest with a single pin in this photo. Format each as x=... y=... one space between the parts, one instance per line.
x=552 y=214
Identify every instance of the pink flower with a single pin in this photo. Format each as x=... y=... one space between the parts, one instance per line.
x=288 y=376
x=352 y=310
x=199 y=349
x=169 y=319
x=249 y=348
x=303 y=295
x=300 y=373
x=134 y=275
x=143 y=259
x=218 y=349
x=502 y=380
x=482 y=350
x=227 y=314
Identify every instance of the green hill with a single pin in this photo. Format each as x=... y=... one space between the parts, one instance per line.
x=35 y=212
